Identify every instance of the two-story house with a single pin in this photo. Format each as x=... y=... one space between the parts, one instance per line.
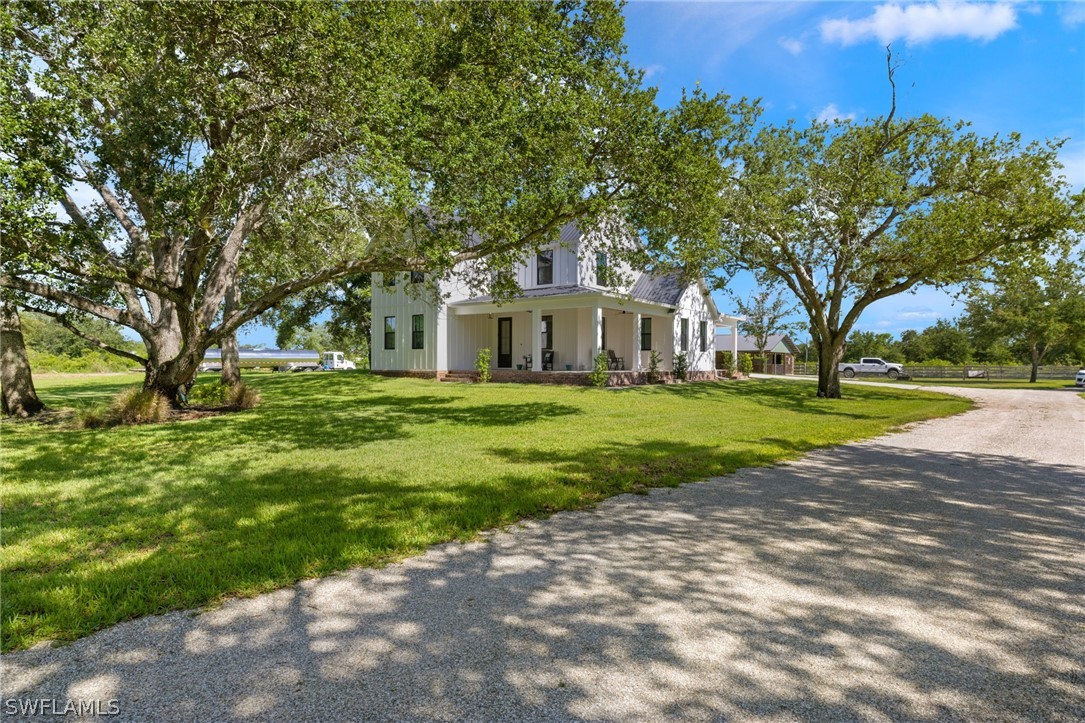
x=554 y=330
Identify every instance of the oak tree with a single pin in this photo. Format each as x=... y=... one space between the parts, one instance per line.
x=274 y=147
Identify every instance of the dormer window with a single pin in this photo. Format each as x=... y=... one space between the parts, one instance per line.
x=600 y=267
x=544 y=268
x=418 y=277
x=389 y=280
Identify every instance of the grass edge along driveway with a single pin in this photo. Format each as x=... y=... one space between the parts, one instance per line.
x=339 y=470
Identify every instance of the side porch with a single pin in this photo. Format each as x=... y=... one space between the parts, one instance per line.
x=560 y=337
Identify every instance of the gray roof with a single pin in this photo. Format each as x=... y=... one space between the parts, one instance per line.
x=536 y=293
x=747 y=344
x=661 y=287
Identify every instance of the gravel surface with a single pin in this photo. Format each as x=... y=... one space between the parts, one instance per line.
x=936 y=573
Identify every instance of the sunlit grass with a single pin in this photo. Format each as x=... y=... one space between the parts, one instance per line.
x=344 y=469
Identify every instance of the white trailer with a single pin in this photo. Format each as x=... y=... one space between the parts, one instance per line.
x=281 y=360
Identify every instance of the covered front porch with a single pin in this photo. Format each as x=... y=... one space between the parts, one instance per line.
x=560 y=335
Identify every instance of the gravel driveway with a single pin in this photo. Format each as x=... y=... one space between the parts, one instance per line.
x=937 y=573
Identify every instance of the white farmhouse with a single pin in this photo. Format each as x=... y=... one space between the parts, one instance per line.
x=554 y=329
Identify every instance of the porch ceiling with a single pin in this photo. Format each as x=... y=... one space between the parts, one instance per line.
x=564 y=301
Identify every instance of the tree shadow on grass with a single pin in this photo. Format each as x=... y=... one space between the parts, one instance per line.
x=298 y=423
x=860 y=583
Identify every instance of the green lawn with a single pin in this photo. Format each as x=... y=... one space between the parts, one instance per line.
x=336 y=470
x=978 y=383
x=997 y=383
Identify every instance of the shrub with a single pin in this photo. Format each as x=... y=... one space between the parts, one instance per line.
x=681 y=366
x=217 y=394
x=600 y=367
x=87 y=362
x=482 y=364
x=93 y=417
x=243 y=396
x=653 y=367
x=138 y=406
x=745 y=364
x=724 y=361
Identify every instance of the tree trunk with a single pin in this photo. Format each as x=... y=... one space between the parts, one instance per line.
x=830 y=354
x=231 y=362
x=170 y=377
x=1035 y=354
x=16 y=381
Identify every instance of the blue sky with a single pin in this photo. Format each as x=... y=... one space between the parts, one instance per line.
x=1002 y=66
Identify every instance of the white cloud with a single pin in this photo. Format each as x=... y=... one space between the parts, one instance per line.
x=1072 y=158
x=791 y=45
x=924 y=22
x=929 y=314
x=1072 y=14
x=653 y=69
x=832 y=113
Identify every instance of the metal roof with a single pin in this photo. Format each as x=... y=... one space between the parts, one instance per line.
x=661 y=287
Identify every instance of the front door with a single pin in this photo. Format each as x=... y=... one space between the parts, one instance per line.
x=504 y=342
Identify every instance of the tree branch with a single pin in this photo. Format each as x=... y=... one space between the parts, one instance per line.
x=75 y=301
x=67 y=324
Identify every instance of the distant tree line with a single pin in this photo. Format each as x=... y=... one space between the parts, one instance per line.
x=957 y=342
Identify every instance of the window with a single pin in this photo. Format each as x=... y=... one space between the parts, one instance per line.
x=389 y=280
x=544 y=268
x=418 y=277
x=389 y=332
x=603 y=320
x=646 y=334
x=685 y=334
x=418 y=331
x=703 y=331
x=600 y=267
x=548 y=332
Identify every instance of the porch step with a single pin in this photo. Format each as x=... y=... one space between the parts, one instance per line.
x=462 y=377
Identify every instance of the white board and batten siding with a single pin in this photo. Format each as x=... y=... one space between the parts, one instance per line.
x=402 y=302
x=695 y=306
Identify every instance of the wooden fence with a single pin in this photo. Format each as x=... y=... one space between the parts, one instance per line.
x=970 y=371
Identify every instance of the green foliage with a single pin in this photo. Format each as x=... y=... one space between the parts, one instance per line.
x=44 y=334
x=274 y=147
x=873 y=344
x=724 y=360
x=654 y=358
x=346 y=301
x=88 y=362
x=745 y=363
x=106 y=526
x=482 y=364
x=847 y=213
x=214 y=394
x=681 y=366
x=764 y=315
x=217 y=395
x=1035 y=308
x=600 y=369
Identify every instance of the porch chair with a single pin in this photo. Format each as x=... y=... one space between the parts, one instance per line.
x=548 y=361
x=615 y=363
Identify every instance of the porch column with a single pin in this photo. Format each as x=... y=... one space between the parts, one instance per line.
x=734 y=346
x=596 y=332
x=636 y=341
x=536 y=340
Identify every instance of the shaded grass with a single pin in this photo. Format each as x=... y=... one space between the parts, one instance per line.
x=990 y=383
x=344 y=469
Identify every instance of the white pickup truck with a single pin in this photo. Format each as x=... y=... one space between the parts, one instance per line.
x=871 y=365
